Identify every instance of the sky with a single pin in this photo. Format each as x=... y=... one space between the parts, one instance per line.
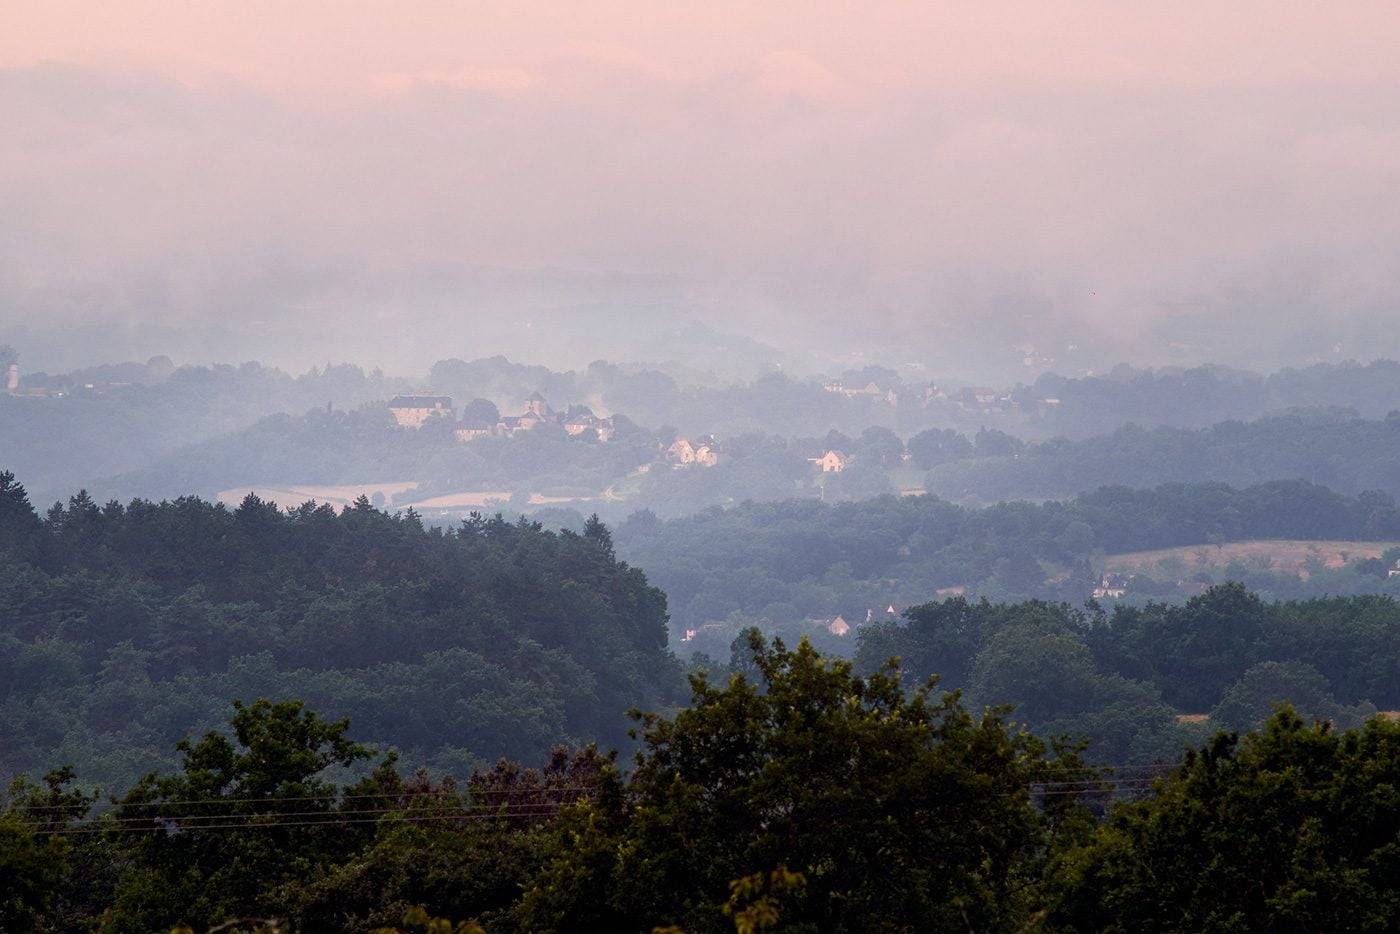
x=991 y=184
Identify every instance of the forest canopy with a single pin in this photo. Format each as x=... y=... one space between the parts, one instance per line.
x=123 y=627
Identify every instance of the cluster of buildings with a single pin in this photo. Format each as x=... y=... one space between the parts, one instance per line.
x=702 y=452
x=415 y=411
x=870 y=390
x=1111 y=587
x=982 y=399
x=836 y=625
x=705 y=451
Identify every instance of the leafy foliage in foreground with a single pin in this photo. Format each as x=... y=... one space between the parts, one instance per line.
x=1294 y=828
x=836 y=802
x=808 y=799
x=123 y=628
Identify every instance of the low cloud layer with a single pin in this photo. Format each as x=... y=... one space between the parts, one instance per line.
x=1151 y=207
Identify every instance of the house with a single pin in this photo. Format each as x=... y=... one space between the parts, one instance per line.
x=1111 y=587
x=830 y=462
x=955 y=591
x=12 y=378
x=581 y=420
x=837 y=626
x=1395 y=571
x=707 y=451
x=537 y=412
x=681 y=452
x=711 y=626
x=414 y=411
x=471 y=430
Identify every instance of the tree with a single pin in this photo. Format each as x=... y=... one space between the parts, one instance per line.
x=1251 y=700
x=35 y=863
x=938 y=639
x=881 y=446
x=936 y=826
x=992 y=442
x=270 y=773
x=596 y=532
x=938 y=446
x=18 y=520
x=1289 y=829
x=481 y=410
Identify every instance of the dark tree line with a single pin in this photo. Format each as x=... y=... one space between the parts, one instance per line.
x=122 y=627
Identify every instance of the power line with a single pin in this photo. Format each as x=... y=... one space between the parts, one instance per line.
x=401 y=819
x=230 y=822
x=296 y=798
x=506 y=811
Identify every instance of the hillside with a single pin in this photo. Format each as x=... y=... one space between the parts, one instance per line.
x=1335 y=449
x=123 y=628
x=779 y=564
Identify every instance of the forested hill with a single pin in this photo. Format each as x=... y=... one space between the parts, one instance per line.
x=1334 y=448
x=122 y=628
x=772 y=563
x=59 y=443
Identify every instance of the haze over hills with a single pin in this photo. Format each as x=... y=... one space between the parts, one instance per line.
x=157 y=430
x=699 y=467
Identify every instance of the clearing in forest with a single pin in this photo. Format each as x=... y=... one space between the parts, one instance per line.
x=1287 y=555
x=294 y=494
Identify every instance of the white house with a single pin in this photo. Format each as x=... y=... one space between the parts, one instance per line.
x=830 y=462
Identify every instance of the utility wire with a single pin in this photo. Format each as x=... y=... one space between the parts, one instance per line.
x=291 y=798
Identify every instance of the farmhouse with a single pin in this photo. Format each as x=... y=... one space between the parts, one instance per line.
x=831 y=461
x=837 y=626
x=707 y=451
x=870 y=390
x=1111 y=587
x=414 y=411
x=684 y=452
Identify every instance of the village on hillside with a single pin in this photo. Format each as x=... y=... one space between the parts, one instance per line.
x=416 y=411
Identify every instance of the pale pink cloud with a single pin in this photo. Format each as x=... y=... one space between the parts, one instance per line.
x=321 y=44
x=903 y=164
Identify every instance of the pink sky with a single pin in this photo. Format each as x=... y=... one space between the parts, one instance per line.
x=926 y=166
x=869 y=47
